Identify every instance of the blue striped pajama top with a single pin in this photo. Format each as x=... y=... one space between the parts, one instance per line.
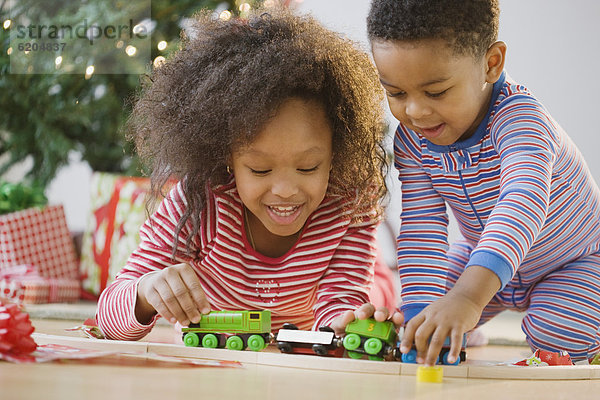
x=518 y=187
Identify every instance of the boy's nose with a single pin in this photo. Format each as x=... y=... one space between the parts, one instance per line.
x=416 y=110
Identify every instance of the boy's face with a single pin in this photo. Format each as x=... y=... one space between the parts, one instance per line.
x=438 y=94
x=282 y=176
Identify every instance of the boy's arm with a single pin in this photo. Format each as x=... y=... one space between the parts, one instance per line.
x=422 y=242
x=527 y=142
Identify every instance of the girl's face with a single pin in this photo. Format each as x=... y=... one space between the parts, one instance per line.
x=438 y=94
x=282 y=176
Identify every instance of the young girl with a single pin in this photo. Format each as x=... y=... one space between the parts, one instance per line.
x=527 y=206
x=272 y=128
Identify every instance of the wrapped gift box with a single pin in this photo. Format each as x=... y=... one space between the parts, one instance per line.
x=39 y=237
x=118 y=209
x=23 y=284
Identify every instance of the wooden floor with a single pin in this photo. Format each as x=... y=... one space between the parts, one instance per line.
x=256 y=380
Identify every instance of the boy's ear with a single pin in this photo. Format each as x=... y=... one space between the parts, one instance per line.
x=495 y=58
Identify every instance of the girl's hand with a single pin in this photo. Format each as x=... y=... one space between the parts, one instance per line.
x=363 y=312
x=174 y=292
x=450 y=316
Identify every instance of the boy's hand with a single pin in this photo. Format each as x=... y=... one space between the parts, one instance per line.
x=450 y=316
x=174 y=292
x=363 y=312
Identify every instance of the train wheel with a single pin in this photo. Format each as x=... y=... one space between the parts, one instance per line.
x=211 y=341
x=373 y=346
x=410 y=357
x=445 y=359
x=375 y=358
x=234 y=343
x=355 y=355
x=351 y=341
x=319 y=349
x=285 y=347
x=191 y=339
x=256 y=343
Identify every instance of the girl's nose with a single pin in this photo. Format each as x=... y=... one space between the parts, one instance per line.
x=284 y=186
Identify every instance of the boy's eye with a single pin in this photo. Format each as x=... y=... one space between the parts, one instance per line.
x=436 y=94
x=397 y=94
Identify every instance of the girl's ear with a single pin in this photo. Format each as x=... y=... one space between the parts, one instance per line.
x=495 y=57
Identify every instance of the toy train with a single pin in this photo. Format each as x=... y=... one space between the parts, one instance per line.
x=369 y=337
x=234 y=330
x=239 y=330
x=323 y=342
x=411 y=356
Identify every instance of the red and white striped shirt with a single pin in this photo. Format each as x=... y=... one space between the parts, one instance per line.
x=328 y=271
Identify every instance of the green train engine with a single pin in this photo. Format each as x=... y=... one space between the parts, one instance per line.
x=373 y=338
x=234 y=330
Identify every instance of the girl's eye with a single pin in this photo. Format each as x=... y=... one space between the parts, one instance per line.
x=437 y=94
x=260 y=172
x=307 y=170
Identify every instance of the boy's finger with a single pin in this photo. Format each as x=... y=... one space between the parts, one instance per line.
x=455 y=346
x=435 y=346
x=422 y=336
x=409 y=334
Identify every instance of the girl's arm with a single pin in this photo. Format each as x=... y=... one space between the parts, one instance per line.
x=346 y=283
x=116 y=313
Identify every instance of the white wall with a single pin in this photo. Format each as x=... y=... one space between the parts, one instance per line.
x=552 y=49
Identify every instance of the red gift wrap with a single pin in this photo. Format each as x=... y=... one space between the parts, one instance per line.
x=24 y=285
x=38 y=237
x=546 y=358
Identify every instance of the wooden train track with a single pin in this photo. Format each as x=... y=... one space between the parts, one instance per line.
x=479 y=369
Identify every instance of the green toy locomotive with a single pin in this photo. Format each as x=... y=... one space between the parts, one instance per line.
x=234 y=330
x=373 y=338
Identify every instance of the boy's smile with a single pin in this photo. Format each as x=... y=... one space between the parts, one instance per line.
x=439 y=94
x=283 y=175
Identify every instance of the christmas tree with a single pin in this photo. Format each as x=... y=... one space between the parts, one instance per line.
x=46 y=116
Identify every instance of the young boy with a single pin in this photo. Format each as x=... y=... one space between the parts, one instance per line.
x=471 y=139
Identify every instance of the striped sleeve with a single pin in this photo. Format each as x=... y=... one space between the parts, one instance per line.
x=346 y=283
x=116 y=306
x=526 y=141
x=423 y=239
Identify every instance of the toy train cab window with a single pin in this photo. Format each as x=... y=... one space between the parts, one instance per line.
x=254 y=315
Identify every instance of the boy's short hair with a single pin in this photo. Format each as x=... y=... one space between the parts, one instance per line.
x=468 y=26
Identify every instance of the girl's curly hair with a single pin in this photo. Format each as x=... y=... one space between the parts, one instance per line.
x=230 y=77
x=468 y=26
